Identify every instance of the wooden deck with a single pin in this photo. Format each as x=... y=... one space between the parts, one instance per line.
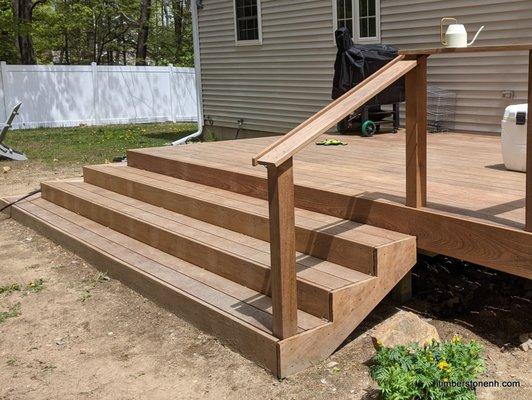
x=475 y=208
x=283 y=262
x=190 y=227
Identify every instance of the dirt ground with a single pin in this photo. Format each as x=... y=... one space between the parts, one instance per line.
x=82 y=336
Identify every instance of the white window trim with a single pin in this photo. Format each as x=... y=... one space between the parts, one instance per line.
x=356 y=21
x=256 y=42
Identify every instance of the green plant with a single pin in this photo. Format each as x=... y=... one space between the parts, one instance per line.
x=35 y=286
x=8 y=289
x=101 y=277
x=13 y=312
x=86 y=295
x=437 y=371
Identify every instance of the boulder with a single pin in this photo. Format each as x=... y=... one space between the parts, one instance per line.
x=403 y=328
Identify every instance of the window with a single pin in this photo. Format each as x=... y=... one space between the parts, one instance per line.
x=247 y=22
x=362 y=17
x=345 y=14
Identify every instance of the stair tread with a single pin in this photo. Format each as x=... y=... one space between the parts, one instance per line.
x=363 y=234
x=247 y=305
x=317 y=272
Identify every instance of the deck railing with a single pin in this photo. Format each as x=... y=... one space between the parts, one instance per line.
x=278 y=159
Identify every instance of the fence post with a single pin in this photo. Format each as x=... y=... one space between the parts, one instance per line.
x=3 y=84
x=94 y=71
x=172 y=78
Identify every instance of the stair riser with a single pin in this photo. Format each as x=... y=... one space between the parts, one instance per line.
x=321 y=245
x=246 y=340
x=312 y=299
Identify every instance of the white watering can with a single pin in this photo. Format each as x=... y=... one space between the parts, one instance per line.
x=456 y=35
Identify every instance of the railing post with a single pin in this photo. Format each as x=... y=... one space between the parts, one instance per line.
x=416 y=134
x=528 y=202
x=282 y=249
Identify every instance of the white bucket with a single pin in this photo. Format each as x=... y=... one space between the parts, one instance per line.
x=513 y=137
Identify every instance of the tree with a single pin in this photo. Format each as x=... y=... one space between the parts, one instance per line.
x=8 y=50
x=144 y=26
x=23 y=16
x=157 y=32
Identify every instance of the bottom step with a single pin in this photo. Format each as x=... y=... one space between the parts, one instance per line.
x=239 y=316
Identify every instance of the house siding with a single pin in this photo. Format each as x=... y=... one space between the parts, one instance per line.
x=276 y=85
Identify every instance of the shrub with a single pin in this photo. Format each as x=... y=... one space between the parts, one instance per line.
x=437 y=371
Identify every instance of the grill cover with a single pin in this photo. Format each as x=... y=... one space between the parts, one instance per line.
x=354 y=63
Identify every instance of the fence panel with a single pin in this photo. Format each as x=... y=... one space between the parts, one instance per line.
x=59 y=95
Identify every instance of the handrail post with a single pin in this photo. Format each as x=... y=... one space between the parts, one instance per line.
x=416 y=134
x=528 y=201
x=282 y=249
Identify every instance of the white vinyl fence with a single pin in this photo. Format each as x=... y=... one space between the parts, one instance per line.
x=71 y=95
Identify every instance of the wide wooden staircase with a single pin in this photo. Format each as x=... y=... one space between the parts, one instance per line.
x=215 y=247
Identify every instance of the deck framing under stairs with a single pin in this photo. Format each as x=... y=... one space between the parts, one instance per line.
x=203 y=253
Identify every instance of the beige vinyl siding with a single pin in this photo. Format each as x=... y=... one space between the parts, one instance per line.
x=276 y=85
x=273 y=86
x=478 y=79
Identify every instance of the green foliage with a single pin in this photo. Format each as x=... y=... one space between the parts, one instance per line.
x=103 y=31
x=8 y=289
x=13 y=312
x=427 y=373
x=35 y=286
x=93 y=144
x=8 y=51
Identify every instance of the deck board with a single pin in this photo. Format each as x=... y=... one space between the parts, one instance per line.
x=466 y=175
x=475 y=208
x=239 y=301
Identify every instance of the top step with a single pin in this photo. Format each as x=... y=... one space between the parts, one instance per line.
x=361 y=247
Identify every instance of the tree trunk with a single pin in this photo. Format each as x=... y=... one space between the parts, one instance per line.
x=23 y=15
x=178 y=27
x=144 y=24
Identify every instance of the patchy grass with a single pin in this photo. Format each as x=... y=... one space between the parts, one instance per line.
x=85 y=295
x=35 y=286
x=14 y=311
x=93 y=144
x=8 y=289
x=101 y=277
x=11 y=361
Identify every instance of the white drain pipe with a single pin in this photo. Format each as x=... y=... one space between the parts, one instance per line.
x=197 y=68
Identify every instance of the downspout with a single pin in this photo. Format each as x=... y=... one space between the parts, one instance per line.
x=194 y=5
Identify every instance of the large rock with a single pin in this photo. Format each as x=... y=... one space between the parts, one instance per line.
x=402 y=329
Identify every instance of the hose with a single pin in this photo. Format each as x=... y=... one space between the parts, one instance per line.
x=20 y=199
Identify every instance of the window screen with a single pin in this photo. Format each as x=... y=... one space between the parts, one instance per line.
x=247 y=20
x=345 y=14
x=359 y=16
x=367 y=17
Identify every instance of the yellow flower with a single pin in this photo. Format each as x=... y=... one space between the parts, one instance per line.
x=456 y=339
x=444 y=366
x=445 y=379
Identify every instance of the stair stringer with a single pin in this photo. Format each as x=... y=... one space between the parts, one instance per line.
x=349 y=307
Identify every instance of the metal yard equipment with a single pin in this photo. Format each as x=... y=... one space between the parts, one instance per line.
x=5 y=150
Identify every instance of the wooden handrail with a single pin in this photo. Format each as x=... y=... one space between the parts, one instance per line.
x=291 y=143
x=278 y=158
